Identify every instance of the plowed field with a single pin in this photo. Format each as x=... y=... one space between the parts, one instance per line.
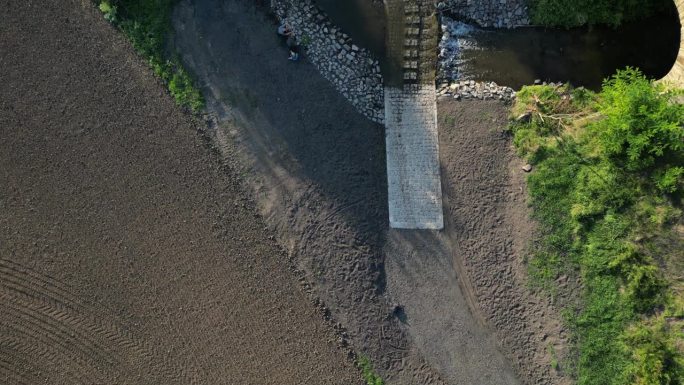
x=127 y=253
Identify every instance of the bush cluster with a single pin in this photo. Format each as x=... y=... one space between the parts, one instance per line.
x=147 y=24
x=607 y=187
x=573 y=13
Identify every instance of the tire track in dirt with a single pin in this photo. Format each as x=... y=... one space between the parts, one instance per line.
x=43 y=311
x=16 y=366
x=51 y=357
x=59 y=302
x=492 y=230
x=132 y=255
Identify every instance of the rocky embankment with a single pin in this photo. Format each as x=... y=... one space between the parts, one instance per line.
x=354 y=72
x=470 y=89
x=451 y=82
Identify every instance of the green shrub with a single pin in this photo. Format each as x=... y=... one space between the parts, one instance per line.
x=598 y=189
x=571 y=13
x=368 y=373
x=655 y=359
x=669 y=179
x=146 y=23
x=642 y=127
x=109 y=11
x=608 y=168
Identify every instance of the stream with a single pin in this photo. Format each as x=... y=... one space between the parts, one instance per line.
x=515 y=57
x=581 y=56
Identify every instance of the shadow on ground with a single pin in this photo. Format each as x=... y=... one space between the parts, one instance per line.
x=317 y=171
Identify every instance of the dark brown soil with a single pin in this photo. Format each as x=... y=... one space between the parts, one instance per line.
x=127 y=252
x=316 y=169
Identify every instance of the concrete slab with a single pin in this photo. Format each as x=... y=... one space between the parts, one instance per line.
x=415 y=189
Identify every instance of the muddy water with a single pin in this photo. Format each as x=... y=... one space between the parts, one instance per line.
x=363 y=20
x=582 y=56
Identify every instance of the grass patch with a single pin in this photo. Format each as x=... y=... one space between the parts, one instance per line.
x=554 y=358
x=573 y=13
x=449 y=120
x=607 y=190
x=368 y=373
x=147 y=24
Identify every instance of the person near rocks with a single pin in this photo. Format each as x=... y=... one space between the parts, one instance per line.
x=293 y=47
x=284 y=29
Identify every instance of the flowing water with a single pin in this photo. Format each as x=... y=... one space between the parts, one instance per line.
x=363 y=20
x=582 y=56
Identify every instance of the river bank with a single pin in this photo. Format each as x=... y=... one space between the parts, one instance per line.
x=316 y=168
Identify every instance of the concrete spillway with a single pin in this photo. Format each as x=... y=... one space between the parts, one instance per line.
x=415 y=189
x=414 y=185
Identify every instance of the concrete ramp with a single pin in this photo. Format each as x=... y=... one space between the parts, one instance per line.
x=414 y=186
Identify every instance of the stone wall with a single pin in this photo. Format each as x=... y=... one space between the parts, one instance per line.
x=676 y=74
x=351 y=69
x=488 y=13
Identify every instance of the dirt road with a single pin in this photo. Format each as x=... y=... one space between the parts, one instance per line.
x=128 y=253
